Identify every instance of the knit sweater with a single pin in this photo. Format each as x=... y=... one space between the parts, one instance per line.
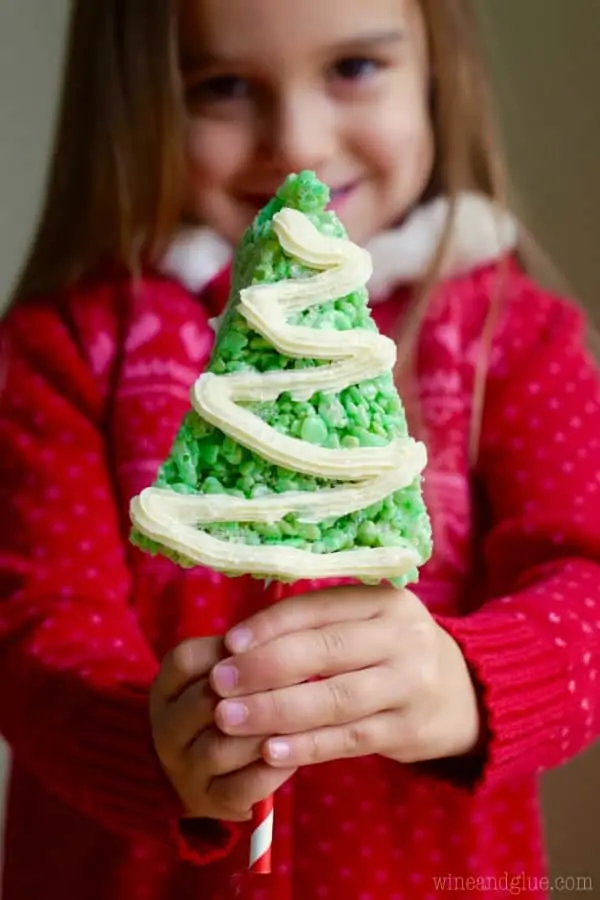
x=94 y=384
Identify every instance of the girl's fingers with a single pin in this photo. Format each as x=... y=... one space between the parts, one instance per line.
x=182 y=720
x=220 y=754
x=308 y=611
x=373 y=734
x=234 y=795
x=293 y=658
x=304 y=707
x=186 y=663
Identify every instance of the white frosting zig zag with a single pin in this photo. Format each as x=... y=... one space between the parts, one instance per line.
x=174 y=520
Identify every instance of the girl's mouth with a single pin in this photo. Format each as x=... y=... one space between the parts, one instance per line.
x=341 y=195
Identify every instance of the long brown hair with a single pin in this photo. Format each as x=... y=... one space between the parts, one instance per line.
x=115 y=184
x=114 y=189
x=468 y=147
x=469 y=156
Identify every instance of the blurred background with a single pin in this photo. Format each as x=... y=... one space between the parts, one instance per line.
x=545 y=59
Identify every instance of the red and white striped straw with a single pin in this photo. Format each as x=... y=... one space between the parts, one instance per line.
x=261 y=840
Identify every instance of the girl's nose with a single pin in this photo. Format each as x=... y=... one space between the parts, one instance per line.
x=301 y=134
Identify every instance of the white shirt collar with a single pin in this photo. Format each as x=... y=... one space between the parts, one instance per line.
x=482 y=233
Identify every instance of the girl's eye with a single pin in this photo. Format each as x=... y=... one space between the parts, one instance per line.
x=219 y=88
x=356 y=68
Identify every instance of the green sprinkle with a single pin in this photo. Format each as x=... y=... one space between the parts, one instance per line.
x=368 y=534
x=233 y=343
x=367 y=439
x=181 y=488
x=362 y=416
x=341 y=322
x=369 y=390
x=313 y=430
x=308 y=532
x=283 y=485
x=208 y=452
x=212 y=485
x=332 y=442
x=232 y=452
x=247 y=485
x=332 y=412
x=186 y=460
x=334 y=540
x=270 y=530
x=391 y=539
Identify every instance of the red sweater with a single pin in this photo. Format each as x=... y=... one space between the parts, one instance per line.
x=94 y=387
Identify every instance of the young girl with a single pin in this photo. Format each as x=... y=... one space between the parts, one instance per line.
x=148 y=708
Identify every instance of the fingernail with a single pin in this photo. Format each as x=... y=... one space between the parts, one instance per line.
x=185 y=657
x=233 y=712
x=225 y=678
x=239 y=639
x=278 y=749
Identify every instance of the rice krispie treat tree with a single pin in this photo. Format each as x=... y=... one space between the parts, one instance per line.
x=294 y=460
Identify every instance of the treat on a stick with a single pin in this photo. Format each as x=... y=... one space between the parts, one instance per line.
x=294 y=460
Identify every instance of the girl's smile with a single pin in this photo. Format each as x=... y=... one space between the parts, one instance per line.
x=289 y=89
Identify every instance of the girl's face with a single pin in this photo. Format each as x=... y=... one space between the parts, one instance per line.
x=275 y=86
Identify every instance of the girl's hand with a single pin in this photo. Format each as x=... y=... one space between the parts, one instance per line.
x=391 y=681
x=216 y=776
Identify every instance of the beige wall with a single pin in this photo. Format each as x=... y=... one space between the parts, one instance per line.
x=31 y=39
x=546 y=56
x=546 y=63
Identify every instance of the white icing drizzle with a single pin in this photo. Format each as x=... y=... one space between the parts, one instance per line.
x=174 y=520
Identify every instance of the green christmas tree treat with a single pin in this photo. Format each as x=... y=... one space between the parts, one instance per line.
x=294 y=460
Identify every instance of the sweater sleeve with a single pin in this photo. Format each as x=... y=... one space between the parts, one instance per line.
x=534 y=645
x=74 y=663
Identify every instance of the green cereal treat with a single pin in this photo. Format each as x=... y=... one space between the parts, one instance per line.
x=212 y=462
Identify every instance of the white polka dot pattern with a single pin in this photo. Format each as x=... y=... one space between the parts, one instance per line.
x=84 y=617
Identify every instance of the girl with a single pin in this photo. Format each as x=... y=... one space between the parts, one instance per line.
x=144 y=719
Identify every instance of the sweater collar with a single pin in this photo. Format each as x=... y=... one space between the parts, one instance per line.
x=482 y=233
